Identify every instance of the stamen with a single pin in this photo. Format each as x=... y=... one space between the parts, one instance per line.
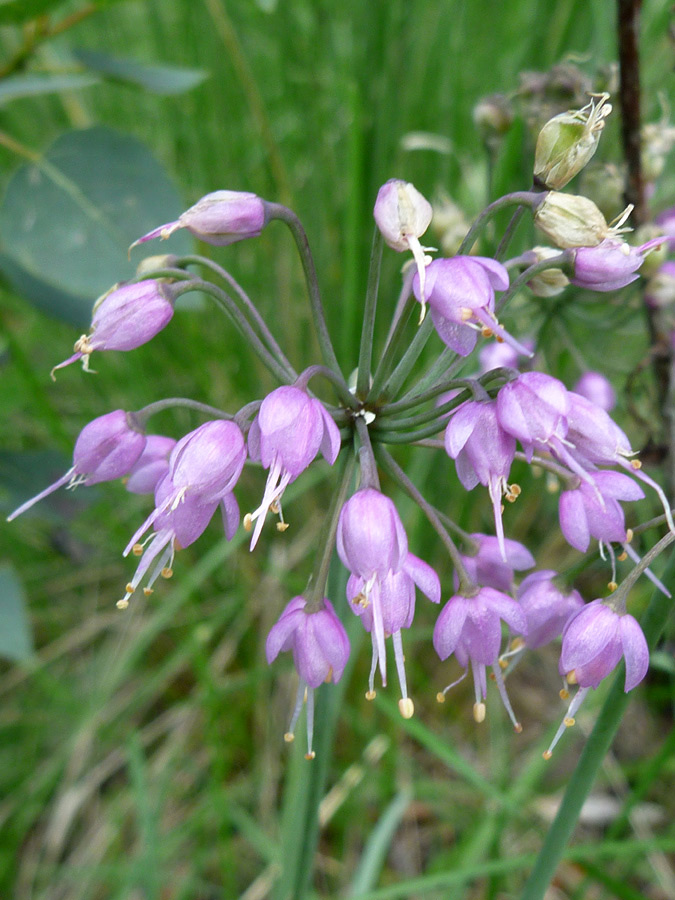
x=248 y=522
x=479 y=712
x=569 y=719
x=309 y=695
x=299 y=700
x=517 y=727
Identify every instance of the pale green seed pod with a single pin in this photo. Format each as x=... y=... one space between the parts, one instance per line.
x=568 y=141
x=570 y=220
x=550 y=282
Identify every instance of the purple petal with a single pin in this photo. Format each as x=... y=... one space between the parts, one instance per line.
x=635 y=651
x=573 y=523
x=449 y=625
x=424 y=577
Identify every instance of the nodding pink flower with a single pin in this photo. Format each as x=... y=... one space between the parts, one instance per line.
x=610 y=265
x=320 y=648
x=486 y=566
x=403 y=215
x=598 y=441
x=470 y=627
x=107 y=448
x=594 y=641
x=596 y=388
x=204 y=467
x=461 y=295
x=593 y=510
x=372 y=544
x=152 y=465
x=547 y=607
x=219 y=218
x=287 y=434
x=483 y=452
x=533 y=408
x=385 y=607
x=123 y=319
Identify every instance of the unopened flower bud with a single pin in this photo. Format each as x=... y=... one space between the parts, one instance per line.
x=571 y=220
x=493 y=115
x=150 y=264
x=219 y=218
x=550 y=282
x=568 y=141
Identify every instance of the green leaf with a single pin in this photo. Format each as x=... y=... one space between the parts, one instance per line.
x=14 y=12
x=16 y=641
x=33 y=85
x=66 y=222
x=158 y=79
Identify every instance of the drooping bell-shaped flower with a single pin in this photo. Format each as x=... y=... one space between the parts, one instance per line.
x=547 y=606
x=219 y=218
x=287 y=434
x=204 y=467
x=486 y=565
x=594 y=641
x=107 y=448
x=470 y=627
x=598 y=441
x=593 y=510
x=320 y=648
x=596 y=388
x=372 y=544
x=611 y=264
x=152 y=465
x=483 y=453
x=123 y=319
x=388 y=605
x=403 y=215
x=461 y=295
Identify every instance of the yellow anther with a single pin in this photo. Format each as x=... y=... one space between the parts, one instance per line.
x=440 y=697
x=518 y=728
x=479 y=712
x=465 y=313
x=487 y=332
x=572 y=677
x=547 y=754
x=289 y=737
x=275 y=508
x=612 y=585
x=310 y=756
x=147 y=591
x=370 y=695
x=406 y=707
x=167 y=572
x=282 y=526
x=622 y=557
x=248 y=522
x=517 y=643
x=515 y=489
x=329 y=676
x=503 y=663
x=568 y=721
x=629 y=535
x=564 y=694
x=122 y=604
x=137 y=549
x=636 y=464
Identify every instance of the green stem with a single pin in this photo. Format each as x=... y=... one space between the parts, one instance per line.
x=412 y=399
x=406 y=363
x=597 y=745
x=366 y=346
x=518 y=198
x=394 y=338
x=227 y=304
x=429 y=415
x=369 y=476
x=289 y=218
x=247 y=303
x=406 y=437
x=466 y=585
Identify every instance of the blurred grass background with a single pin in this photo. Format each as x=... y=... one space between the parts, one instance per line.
x=141 y=753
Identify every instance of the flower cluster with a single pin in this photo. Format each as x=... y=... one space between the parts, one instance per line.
x=509 y=410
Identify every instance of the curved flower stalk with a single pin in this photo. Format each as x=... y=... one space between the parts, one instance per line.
x=287 y=434
x=107 y=448
x=470 y=627
x=320 y=648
